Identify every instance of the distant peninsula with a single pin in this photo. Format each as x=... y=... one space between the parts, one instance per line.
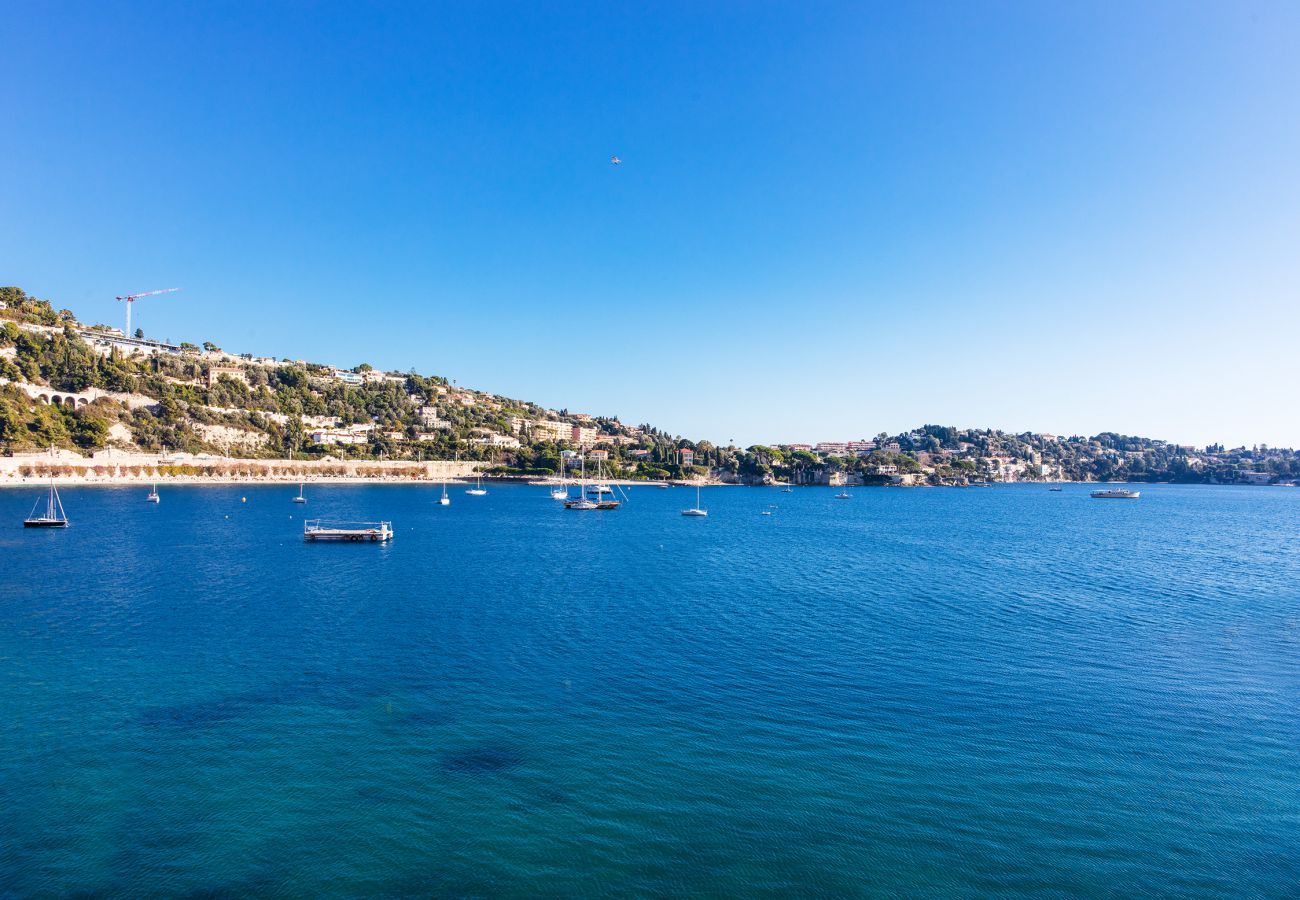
x=90 y=403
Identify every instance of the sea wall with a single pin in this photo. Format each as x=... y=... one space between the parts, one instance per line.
x=66 y=467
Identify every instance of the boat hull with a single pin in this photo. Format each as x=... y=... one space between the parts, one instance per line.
x=44 y=523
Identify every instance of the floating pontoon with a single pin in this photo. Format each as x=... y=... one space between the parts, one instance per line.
x=346 y=532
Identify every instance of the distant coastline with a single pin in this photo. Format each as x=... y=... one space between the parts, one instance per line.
x=96 y=396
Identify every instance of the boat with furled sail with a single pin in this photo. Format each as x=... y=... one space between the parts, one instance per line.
x=54 y=517
x=697 y=511
x=581 y=501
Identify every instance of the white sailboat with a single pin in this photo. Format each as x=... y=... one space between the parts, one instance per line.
x=601 y=488
x=697 y=511
x=477 y=490
x=300 y=498
x=561 y=492
x=54 y=516
x=445 y=501
x=153 y=495
x=581 y=501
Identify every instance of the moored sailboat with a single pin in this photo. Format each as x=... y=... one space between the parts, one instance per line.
x=601 y=488
x=697 y=511
x=581 y=501
x=54 y=516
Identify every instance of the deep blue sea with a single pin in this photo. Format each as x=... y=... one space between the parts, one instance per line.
x=930 y=693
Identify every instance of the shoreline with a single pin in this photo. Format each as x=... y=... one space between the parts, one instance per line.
x=527 y=481
x=218 y=480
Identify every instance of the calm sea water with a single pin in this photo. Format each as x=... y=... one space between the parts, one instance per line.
x=912 y=692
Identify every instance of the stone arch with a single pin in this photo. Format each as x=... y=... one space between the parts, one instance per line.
x=44 y=398
x=56 y=400
x=83 y=401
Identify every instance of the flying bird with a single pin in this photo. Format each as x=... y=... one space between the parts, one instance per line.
x=615 y=160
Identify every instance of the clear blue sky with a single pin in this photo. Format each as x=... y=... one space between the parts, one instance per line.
x=831 y=219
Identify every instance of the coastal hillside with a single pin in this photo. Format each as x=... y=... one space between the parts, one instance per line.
x=95 y=393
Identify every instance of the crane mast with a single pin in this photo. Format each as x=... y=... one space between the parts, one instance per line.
x=130 y=299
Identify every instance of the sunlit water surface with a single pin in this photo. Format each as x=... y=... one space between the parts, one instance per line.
x=910 y=692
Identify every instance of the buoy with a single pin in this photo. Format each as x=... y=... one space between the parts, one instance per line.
x=243 y=499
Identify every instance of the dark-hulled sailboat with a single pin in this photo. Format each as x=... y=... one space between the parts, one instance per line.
x=53 y=517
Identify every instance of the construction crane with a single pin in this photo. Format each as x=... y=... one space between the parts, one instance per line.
x=129 y=299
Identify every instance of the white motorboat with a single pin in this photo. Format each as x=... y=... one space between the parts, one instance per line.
x=1116 y=494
